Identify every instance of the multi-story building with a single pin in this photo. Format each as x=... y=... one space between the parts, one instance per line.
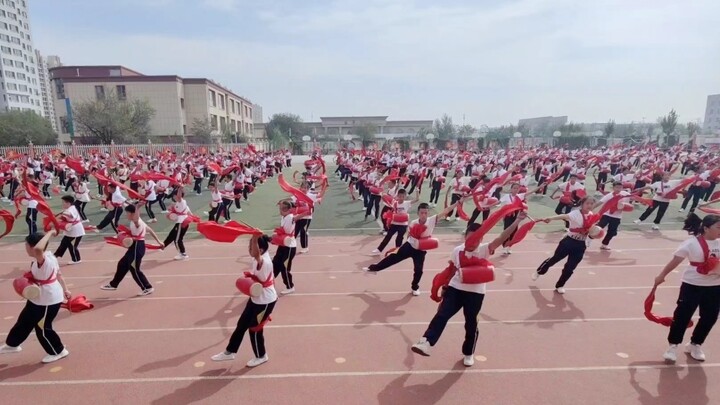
x=19 y=82
x=330 y=127
x=178 y=102
x=711 y=126
x=53 y=61
x=45 y=92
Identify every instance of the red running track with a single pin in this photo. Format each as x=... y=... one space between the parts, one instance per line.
x=344 y=337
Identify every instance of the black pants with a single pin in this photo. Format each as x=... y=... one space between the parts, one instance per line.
x=197 y=187
x=176 y=236
x=602 y=179
x=161 y=201
x=405 y=251
x=239 y=192
x=454 y=300
x=398 y=230
x=694 y=192
x=301 y=230
x=453 y=199
x=709 y=191
x=373 y=201
x=571 y=248
x=612 y=223
x=661 y=207
x=691 y=298
x=435 y=191
x=80 y=206
x=111 y=218
x=31 y=220
x=71 y=244
x=131 y=262
x=31 y=317
x=507 y=221
x=563 y=209
x=45 y=191
x=282 y=264
x=148 y=208
x=476 y=214
x=252 y=316
x=382 y=218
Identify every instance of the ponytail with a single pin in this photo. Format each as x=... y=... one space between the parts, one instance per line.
x=696 y=226
x=263 y=243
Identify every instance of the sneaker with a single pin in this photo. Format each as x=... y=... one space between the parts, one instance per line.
x=288 y=291
x=468 y=361
x=182 y=256
x=257 y=361
x=415 y=293
x=507 y=251
x=238 y=210
x=375 y=253
x=50 y=358
x=86 y=221
x=224 y=356
x=670 y=355
x=560 y=290
x=303 y=250
x=681 y=210
x=605 y=247
x=146 y=292
x=384 y=233
x=655 y=227
x=535 y=276
x=71 y=263
x=422 y=347
x=108 y=287
x=206 y=213
x=448 y=219
x=695 y=351
x=152 y=221
x=164 y=212
x=637 y=222
x=5 y=349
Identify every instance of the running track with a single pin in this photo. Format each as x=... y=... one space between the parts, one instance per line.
x=344 y=337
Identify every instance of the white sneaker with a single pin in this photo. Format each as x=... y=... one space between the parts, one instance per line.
x=416 y=293
x=637 y=222
x=71 y=263
x=152 y=221
x=384 y=233
x=535 y=276
x=50 y=358
x=288 y=291
x=146 y=292
x=422 y=347
x=560 y=290
x=655 y=227
x=257 y=361
x=448 y=219
x=238 y=210
x=224 y=356
x=164 y=212
x=86 y=221
x=375 y=253
x=182 y=256
x=670 y=355
x=695 y=351
x=303 y=250
x=605 y=247
x=5 y=349
x=507 y=251
x=468 y=361
x=681 y=210
x=108 y=287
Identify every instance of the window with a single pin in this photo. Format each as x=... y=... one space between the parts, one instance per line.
x=19 y=64
x=122 y=95
x=7 y=62
x=12 y=86
x=15 y=40
x=10 y=74
x=64 y=125
x=213 y=101
x=233 y=123
x=6 y=49
x=182 y=104
x=17 y=52
x=213 y=121
x=21 y=76
x=222 y=102
x=60 y=89
x=23 y=87
x=99 y=92
x=223 y=123
x=184 y=129
x=232 y=106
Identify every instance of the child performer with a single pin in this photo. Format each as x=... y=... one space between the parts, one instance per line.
x=258 y=309
x=177 y=233
x=71 y=237
x=459 y=295
x=612 y=217
x=699 y=289
x=285 y=253
x=401 y=206
x=40 y=312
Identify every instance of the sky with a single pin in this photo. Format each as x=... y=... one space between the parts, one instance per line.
x=483 y=62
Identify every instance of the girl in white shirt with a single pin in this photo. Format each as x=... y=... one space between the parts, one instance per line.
x=71 y=237
x=181 y=211
x=698 y=290
x=40 y=312
x=285 y=253
x=82 y=197
x=258 y=309
x=150 y=199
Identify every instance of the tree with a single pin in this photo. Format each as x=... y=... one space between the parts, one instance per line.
x=111 y=119
x=668 y=124
x=444 y=128
x=201 y=130
x=286 y=126
x=609 y=129
x=693 y=128
x=366 y=133
x=465 y=131
x=18 y=128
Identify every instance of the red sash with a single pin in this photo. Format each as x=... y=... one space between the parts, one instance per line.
x=709 y=263
x=583 y=230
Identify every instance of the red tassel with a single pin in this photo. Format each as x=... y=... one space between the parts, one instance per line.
x=9 y=219
x=440 y=280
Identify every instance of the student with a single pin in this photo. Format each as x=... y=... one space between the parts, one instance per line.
x=285 y=253
x=400 y=206
x=39 y=313
x=697 y=291
x=459 y=295
x=612 y=217
x=410 y=248
x=150 y=199
x=659 y=201
x=71 y=237
x=303 y=225
x=571 y=246
x=569 y=198
x=177 y=233
x=132 y=260
x=258 y=309
x=117 y=200
x=82 y=197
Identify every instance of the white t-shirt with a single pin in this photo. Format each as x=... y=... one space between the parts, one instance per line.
x=72 y=215
x=50 y=294
x=429 y=228
x=117 y=198
x=691 y=250
x=613 y=212
x=182 y=209
x=402 y=208
x=32 y=203
x=138 y=231
x=482 y=252
x=268 y=294
x=83 y=193
x=150 y=191
x=287 y=224
x=508 y=198
x=569 y=188
x=660 y=188
x=576 y=220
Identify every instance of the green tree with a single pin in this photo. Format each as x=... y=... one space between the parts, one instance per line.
x=465 y=131
x=287 y=126
x=18 y=128
x=201 y=130
x=444 y=128
x=111 y=119
x=609 y=129
x=668 y=124
x=366 y=133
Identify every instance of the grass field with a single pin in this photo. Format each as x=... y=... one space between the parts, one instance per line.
x=337 y=215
